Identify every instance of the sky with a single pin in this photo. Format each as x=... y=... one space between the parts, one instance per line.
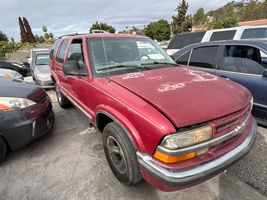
x=76 y=16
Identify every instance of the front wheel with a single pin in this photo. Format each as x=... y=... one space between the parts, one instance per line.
x=61 y=98
x=121 y=155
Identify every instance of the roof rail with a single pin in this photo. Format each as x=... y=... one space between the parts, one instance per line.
x=72 y=34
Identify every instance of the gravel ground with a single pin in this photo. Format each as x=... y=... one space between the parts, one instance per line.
x=253 y=168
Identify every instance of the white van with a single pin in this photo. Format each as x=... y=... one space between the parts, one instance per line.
x=238 y=33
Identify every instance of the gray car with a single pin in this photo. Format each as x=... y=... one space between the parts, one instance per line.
x=9 y=73
x=41 y=71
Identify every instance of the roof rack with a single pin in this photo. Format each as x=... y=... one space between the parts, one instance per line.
x=72 y=34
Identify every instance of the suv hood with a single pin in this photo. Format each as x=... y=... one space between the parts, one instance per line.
x=185 y=96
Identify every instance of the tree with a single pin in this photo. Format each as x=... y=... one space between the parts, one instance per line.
x=44 y=29
x=23 y=36
x=51 y=35
x=199 y=17
x=30 y=37
x=181 y=22
x=159 y=30
x=41 y=39
x=228 y=22
x=12 y=39
x=46 y=36
x=3 y=37
x=102 y=26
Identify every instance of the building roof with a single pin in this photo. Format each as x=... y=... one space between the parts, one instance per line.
x=253 y=23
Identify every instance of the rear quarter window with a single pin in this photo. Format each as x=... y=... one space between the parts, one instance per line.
x=62 y=51
x=182 y=40
x=54 y=49
x=223 y=35
x=254 y=33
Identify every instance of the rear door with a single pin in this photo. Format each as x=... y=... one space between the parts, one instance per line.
x=60 y=59
x=245 y=64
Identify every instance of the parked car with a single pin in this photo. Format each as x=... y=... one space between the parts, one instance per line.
x=33 y=51
x=181 y=40
x=40 y=69
x=243 y=61
x=25 y=112
x=237 y=33
x=173 y=126
x=17 y=66
x=8 y=73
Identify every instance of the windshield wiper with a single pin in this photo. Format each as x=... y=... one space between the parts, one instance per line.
x=160 y=63
x=124 y=66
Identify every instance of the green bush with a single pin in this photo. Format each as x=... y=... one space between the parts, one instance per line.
x=8 y=47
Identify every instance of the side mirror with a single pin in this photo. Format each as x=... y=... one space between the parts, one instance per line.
x=264 y=74
x=72 y=68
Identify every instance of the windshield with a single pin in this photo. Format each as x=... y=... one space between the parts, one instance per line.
x=126 y=54
x=42 y=59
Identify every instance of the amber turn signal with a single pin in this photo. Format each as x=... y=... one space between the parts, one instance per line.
x=173 y=159
x=4 y=107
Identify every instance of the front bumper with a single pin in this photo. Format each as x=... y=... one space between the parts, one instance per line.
x=21 y=127
x=171 y=180
x=44 y=83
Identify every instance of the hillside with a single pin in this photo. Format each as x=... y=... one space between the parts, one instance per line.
x=244 y=10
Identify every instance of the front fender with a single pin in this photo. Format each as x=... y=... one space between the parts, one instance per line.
x=124 y=123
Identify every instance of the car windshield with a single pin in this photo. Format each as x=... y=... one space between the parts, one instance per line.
x=42 y=59
x=124 y=54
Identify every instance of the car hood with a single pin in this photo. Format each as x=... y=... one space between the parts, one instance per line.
x=43 y=69
x=13 y=73
x=185 y=96
x=16 y=88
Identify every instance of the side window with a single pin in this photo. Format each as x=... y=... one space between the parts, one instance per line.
x=183 y=60
x=76 y=52
x=54 y=49
x=254 y=33
x=243 y=59
x=62 y=50
x=205 y=57
x=223 y=35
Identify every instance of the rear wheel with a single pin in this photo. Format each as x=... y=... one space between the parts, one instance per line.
x=3 y=149
x=121 y=155
x=61 y=98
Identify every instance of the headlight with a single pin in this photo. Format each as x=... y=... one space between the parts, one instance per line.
x=42 y=75
x=9 y=103
x=187 y=138
x=181 y=140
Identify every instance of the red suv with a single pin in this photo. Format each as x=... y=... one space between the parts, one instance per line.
x=171 y=125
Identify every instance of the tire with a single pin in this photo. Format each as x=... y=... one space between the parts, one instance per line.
x=3 y=149
x=121 y=155
x=62 y=99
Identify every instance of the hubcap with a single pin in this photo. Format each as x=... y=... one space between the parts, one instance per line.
x=59 y=97
x=116 y=154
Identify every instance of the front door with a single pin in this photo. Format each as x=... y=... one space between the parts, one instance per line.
x=245 y=65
